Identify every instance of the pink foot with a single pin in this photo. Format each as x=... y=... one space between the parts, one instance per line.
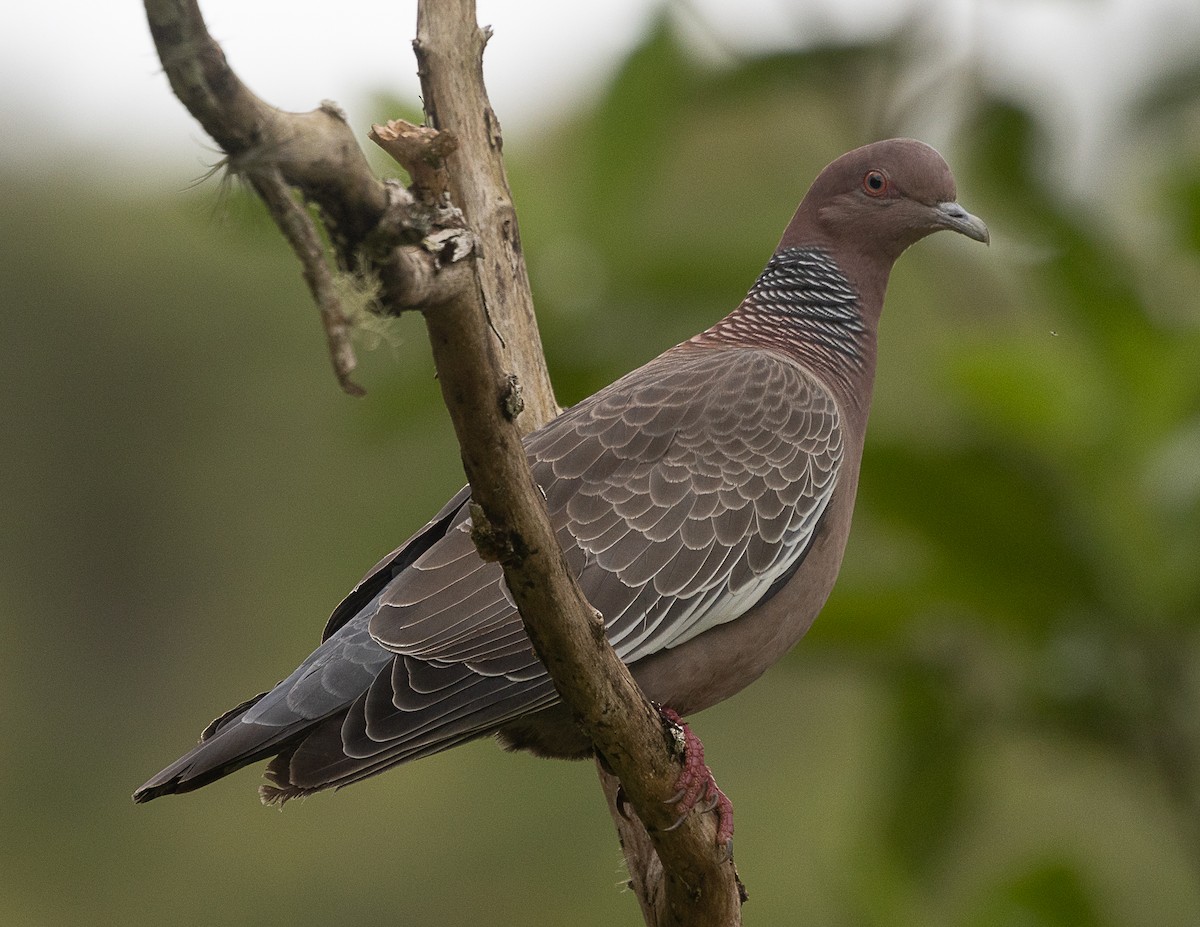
x=696 y=782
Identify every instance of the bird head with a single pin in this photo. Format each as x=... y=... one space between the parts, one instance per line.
x=880 y=199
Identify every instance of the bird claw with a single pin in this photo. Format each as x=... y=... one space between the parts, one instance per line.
x=709 y=805
x=697 y=789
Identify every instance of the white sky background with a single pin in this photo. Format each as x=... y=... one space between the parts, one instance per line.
x=80 y=77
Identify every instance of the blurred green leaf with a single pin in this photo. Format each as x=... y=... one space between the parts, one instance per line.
x=926 y=783
x=1050 y=894
x=995 y=523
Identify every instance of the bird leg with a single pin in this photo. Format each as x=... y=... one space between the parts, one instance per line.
x=697 y=789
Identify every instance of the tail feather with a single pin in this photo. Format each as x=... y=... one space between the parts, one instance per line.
x=225 y=746
x=233 y=714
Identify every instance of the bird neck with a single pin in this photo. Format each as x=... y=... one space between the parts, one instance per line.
x=805 y=306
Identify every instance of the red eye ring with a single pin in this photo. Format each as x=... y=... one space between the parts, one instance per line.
x=875 y=183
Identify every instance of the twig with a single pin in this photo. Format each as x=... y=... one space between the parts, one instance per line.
x=422 y=151
x=297 y=227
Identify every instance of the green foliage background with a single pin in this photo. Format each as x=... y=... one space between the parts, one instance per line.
x=995 y=722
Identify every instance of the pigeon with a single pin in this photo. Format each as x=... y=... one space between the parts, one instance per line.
x=703 y=502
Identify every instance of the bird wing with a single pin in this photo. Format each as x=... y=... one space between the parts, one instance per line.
x=679 y=495
x=692 y=491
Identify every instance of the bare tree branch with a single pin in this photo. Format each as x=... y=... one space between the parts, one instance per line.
x=298 y=228
x=695 y=886
x=488 y=355
x=449 y=52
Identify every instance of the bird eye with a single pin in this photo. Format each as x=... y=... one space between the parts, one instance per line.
x=875 y=183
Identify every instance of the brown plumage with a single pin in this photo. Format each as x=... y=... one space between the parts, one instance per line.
x=703 y=500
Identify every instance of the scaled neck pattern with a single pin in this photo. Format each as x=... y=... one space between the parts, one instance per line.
x=802 y=304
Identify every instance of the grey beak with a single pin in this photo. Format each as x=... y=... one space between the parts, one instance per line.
x=953 y=217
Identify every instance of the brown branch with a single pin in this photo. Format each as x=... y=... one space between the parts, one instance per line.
x=456 y=100
x=697 y=886
x=641 y=861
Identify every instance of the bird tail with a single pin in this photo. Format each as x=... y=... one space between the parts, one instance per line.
x=226 y=745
